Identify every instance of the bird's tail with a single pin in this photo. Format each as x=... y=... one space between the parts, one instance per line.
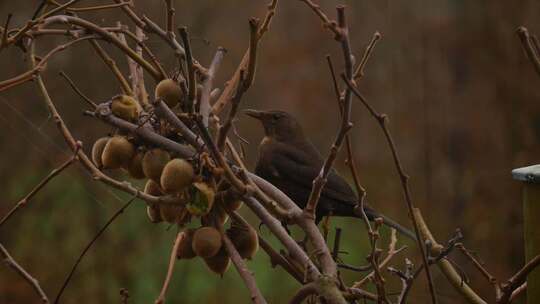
x=372 y=214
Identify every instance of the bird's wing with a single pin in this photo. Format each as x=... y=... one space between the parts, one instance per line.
x=295 y=167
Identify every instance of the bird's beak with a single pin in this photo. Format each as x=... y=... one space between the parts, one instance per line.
x=254 y=113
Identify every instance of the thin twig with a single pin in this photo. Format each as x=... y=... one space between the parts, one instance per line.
x=11 y=263
x=232 y=83
x=39 y=67
x=97 y=7
x=253 y=45
x=192 y=84
x=516 y=280
x=113 y=66
x=24 y=201
x=382 y=120
x=525 y=38
x=77 y=90
x=85 y=250
x=446 y=267
x=224 y=128
x=491 y=279
x=359 y=72
x=4 y=40
x=391 y=253
x=245 y=80
x=243 y=271
x=170 y=17
x=275 y=257
x=172 y=261
x=346 y=124
x=205 y=107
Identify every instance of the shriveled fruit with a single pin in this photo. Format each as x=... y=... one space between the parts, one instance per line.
x=219 y=263
x=135 y=166
x=244 y=238
x=169 y=91
x=153 y=213
x=97 y=151
x=153 y=162
x=206 y=242
x=185 y=249
x=117 y=153
x=177 y=175
x=125 y=107
x=202 y=199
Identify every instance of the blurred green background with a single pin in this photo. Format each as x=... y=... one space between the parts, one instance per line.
x=460 y=93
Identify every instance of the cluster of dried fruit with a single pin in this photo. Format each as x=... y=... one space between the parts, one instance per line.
x=187 y=179
x=207 y=243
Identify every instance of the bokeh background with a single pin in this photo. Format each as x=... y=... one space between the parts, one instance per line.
x=452 y=76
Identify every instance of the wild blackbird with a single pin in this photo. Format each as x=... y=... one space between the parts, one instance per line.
x=289 y=161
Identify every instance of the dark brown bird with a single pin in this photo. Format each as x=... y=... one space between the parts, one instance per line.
x=289 y=161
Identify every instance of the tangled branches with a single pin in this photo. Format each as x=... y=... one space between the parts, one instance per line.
x=178 y=141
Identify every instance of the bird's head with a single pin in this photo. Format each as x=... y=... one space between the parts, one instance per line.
x=278 y=125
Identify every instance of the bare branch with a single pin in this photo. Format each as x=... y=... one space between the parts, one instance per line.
x=97 y=7
x=243 y=271
x=37 y=188
x=39 y=67
x=11 y=263
x=64 y=19
x=77 y=90
x=491 y=279
x=170 y=18
x=252 y=59
x=359 y=72
x=85 y=250
x=346 y=124
x=527 y=43
x=170 y=269
x=230 y=86
x=275 y=257
x=205 y=107
x=446 y=267
x=192 y=84
x=382 y=120
x=517 y=280
x=114 y=68
x=5 y=31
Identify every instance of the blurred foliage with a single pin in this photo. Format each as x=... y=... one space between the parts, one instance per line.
x=459 y=91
